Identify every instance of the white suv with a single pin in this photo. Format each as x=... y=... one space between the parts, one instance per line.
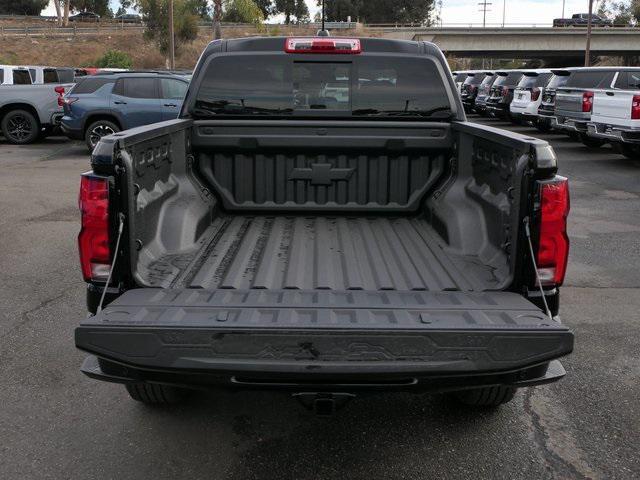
x=528 y=95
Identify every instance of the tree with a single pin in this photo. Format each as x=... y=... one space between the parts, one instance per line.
x=243 y=11
x=101 y=7
x=202 y=8
x=114 y=59
x=380 y=11
x=340 y=10
x=292 y=9
x=22 y=7
x=155 y=14
x=266 y=7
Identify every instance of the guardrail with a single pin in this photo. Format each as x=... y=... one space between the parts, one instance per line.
x=441 y=25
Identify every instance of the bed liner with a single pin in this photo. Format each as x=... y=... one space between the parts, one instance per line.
x=321 y=253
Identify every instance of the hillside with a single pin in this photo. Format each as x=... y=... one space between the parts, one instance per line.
x=85 y=49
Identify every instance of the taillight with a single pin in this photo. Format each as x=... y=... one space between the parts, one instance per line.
x=505 y=91
x=60 y=91
x=553 y=245
x=93 y=240
x=635 y=108
x=587 y=101
x=535 y=94
x=323 y=45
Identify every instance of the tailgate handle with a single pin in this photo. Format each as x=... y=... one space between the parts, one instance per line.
x=611 y=94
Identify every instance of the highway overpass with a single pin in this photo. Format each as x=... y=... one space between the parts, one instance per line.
x=522 y=42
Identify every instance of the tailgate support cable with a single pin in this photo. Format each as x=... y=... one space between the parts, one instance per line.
x=113 y=263
x=535 y=268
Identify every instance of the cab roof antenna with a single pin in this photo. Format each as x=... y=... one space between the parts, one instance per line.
x=323 y=32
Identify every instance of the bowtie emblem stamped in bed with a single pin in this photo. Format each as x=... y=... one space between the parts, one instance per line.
x=321 y=174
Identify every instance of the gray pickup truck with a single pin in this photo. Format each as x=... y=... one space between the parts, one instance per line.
x=574 y=101
x=323 y=220
x=30 y=112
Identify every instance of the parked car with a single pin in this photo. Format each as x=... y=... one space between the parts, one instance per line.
x=29 y=112
x=547 y=105
x=270 y=238
x=459 y=77
x=574 y=101
x=582 y=20
x=616 y=113
x=470 y=88
x=501 y=93
x=484 y=91
x=14 y=75
x=85 y=17
x=106 y=103
x=528 y=95
x=129 y=18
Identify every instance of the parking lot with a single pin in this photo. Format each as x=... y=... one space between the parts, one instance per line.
x=55 y=423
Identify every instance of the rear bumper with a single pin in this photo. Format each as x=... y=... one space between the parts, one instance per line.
x=569 y=124
x=118 y=373
x=611 y=132
x=384 y=341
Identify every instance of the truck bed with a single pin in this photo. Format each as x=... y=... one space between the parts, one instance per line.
x=321 y=253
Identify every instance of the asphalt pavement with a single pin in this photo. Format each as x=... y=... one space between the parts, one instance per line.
x=57 y=424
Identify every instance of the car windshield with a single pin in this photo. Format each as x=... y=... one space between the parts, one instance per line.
x=375 y=87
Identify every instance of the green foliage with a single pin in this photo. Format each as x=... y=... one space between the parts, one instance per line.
x=101 y=7
x=22 y=7
x=380 y=11
x=266 y=7
x=292 y=9
x=243 y=11
x=114 y=59
x=622 y=12
x=155 y=14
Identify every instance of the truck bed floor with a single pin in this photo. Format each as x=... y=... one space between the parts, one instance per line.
x=333 y=253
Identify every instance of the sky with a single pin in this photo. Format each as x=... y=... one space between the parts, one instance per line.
x=526 y=12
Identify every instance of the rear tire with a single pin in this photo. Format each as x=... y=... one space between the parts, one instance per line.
x=543 y=126
x=591 y=142
x=97 y=130
x=155 y=394
x=20 y=127
x=632 y=152
x=486 y=396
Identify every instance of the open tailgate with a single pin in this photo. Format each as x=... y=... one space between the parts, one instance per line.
x=323 y=332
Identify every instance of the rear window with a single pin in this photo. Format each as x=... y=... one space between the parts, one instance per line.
x=474 y=79
x=488 y=80
x=286 y=85
x=461 y=77
x=90 y=84
x=50 y=75
x=628 y=80
x=558 y=81
x=593 y=79
x=533 y=81
x=511 y=78
x=66 y=75
x=21 y=77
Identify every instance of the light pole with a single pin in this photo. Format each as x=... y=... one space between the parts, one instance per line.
x=587 y=51
x=563 y=8
x=504 y=10
x=172 y=45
